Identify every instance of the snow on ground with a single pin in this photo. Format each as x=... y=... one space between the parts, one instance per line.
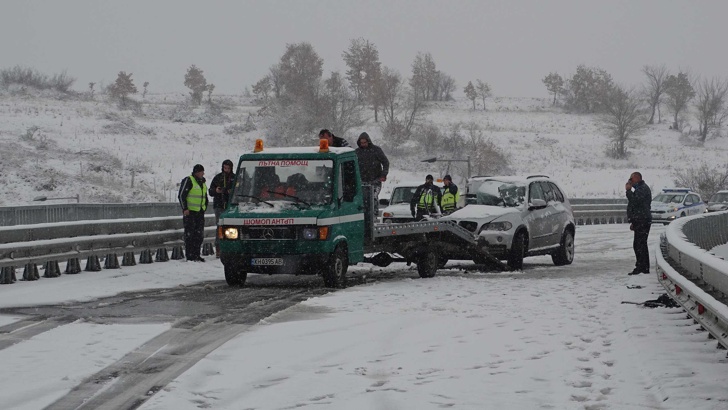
x=546 y=337
x=87 y=148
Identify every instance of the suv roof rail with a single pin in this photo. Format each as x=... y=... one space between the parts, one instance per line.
x=537 y=176
x=677 y=190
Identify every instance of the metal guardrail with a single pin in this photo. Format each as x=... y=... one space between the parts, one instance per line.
x=29 y=245
x=587 y=211
x=37 y=214
x=692 y=276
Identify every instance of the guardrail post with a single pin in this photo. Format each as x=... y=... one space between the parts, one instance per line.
x=177 y=253
x=207 y=249
x=128 y=259
x=7 y=275
x=93 y=264
x=52 y=270
x=162 y=255
x=111 y=261
x=73 y=266
x=31 y=272
x=145 y=256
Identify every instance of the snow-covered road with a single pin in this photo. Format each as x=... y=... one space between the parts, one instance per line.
x=547 y=337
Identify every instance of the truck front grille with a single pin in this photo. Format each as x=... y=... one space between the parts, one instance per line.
x=266 y=233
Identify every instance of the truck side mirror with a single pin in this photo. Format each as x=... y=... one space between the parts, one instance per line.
x=384 y=202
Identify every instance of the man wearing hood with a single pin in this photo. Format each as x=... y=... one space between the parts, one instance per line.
x=193 y=199
x=220 y=189
x=334 y=141
x=373 y=166
x=426 y=199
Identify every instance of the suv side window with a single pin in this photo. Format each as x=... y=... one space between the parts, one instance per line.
x=535 y=191
x=548 y=194
x=557 y=192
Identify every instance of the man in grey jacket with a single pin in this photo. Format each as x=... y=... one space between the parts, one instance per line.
x=639 y=199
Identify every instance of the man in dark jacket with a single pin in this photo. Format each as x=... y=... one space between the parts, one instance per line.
x=193 y=199
x=426 y=199
x=334 y=141
x=640 y=219
x=373 y=166
x=220 y=189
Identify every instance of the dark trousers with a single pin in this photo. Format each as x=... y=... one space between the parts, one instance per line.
x=194 y=224
x=641 y=251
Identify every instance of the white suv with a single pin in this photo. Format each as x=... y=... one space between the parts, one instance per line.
x=520 y=216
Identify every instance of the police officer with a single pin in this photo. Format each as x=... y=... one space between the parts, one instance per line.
x=450 y=196
x=193 y=199
x=426 y=199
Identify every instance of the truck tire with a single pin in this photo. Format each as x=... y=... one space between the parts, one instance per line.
x=565 y=254
x=234 y=276
x=518 y=251
x=427 y=264
x=335 y=273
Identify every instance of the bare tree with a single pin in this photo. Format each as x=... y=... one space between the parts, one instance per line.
x=402 y=108
x=301 y=69
x=623 y=118
x=679 y=92
x=210 y=89
x=587 y=89
x=262 y=90
x=144 y=91
x=446 y=86
x=424 y=76
x=704 y=179
x=483 y=91
x=91 y=90
x=554 y=84
x=655 y=88
x=343 y=110
x=471 y=93
x=711 y=106
x=362 y=59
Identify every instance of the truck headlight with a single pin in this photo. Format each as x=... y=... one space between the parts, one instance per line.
x=310 y=233
x=231 y=233
x=387 y=214
x=497 y=226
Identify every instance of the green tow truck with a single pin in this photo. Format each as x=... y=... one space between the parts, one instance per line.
x=304 y=211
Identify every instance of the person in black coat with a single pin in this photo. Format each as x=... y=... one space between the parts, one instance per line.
x=373 y=166
x=639 y=199
x=220 y=189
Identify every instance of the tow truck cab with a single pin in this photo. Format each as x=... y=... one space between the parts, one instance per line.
x=294 y=211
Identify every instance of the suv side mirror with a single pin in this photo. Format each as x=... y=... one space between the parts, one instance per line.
x=536 y=204
x=384 y=202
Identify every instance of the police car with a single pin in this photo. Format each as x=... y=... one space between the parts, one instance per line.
x=673 y=203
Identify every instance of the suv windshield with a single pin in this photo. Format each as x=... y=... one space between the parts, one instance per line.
x=403 y=194
x=507 y=194
x=719 y=197
x=295 y=180
x=669 y=198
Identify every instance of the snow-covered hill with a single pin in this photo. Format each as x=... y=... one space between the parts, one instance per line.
x=57 y=146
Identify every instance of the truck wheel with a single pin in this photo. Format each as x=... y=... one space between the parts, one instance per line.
x=427 y=264
x=518 y=251
x=335 y=273
x=565 y=254
x=234 y=276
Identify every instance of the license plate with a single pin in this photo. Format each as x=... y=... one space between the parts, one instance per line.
x=266 y=261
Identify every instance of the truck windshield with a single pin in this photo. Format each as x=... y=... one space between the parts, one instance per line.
x=402 y=195
x=500 y=193
x=294 y=180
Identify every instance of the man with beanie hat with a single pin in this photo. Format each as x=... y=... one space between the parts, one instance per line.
x=334 y=141
x=193 y=199
x=426 y=199
x=220 y=188
x=373 y=166
x=450 y=196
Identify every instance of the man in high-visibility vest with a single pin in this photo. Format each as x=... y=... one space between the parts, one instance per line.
x=426 y=199
x=193 y=199
x=450 y=196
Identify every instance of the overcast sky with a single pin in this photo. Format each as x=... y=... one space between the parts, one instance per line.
x=511 y=44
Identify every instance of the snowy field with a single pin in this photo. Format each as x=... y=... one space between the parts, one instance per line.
x=543 y=338
x=92 y=149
